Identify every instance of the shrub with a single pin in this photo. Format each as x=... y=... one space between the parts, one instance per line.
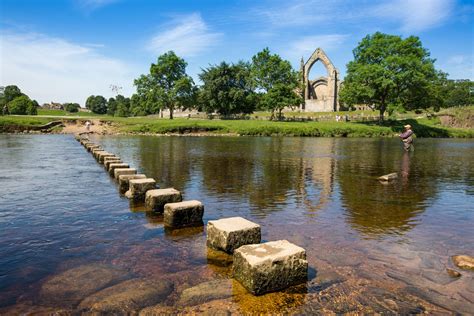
x=72 y=107
x=22 y=105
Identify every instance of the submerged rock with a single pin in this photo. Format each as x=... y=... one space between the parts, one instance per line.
x=464 y=262
x=388 y=177
x=205 y=292
x=128 y=296
x=453 y=273
x=70 y=287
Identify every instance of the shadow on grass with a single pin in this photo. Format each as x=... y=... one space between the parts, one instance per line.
x=420 y=130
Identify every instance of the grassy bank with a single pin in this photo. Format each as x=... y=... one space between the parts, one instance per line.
x=21 y=123
x=423 y=127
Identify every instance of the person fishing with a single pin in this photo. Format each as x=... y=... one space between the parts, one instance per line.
x=407 y=138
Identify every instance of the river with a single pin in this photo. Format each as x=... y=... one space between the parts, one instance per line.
x=371 y=247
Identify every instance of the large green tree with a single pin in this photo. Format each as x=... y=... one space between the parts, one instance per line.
x=167 y=86
x=388 y=70
x=227 y=89
x=277 y=80
x=122 y=106
x=97 y=104
x=9 y=93
x=22 y=105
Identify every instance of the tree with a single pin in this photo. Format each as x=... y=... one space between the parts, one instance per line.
x=71 y=107
x=9 y=93
x=122 y=106
x=97 y=104
x=389 y=71
x=22 y=105
x=167 y=86
x=277 y=79
x=458 y=93
x=227 y=89
x=111 y=106
x=279 y=97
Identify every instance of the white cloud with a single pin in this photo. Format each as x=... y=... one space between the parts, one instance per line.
x=52 y=69
x=459 y=67
x=187 y=36
x=296 y=13
x=305 y=46
x=410 y=15
x=415 y=15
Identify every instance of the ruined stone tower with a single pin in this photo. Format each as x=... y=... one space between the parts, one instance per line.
x=320 y=94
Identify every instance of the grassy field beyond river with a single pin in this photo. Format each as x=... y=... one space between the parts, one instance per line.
x=423 y=127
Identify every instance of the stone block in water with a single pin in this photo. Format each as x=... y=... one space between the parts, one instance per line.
x=139 y=187
x=101 y=156
x=183 y=214
x=125 y=178
x=156 y=199
x=120 y=171
x=110 y=160
x=228 y=234
x=269 y=267
x=389 y=177
x=117 y=165
x=96 y=151
x=93 y=147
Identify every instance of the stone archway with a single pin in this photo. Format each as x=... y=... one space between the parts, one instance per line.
x=320 y=94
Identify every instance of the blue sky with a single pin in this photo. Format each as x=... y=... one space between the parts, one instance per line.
x=64 y=51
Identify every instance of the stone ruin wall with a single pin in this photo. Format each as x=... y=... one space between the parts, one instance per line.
x=320 y=94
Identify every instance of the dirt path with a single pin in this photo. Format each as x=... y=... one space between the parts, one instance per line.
x=79 y=126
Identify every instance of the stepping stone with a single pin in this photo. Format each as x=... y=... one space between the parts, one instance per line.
x=110 y=160
x=228 y=234
x=138 y=188
x=101 y=156
x=94 y=147
x=155 y=200
x=116 y=165
x=270 y=267
x=388 y=177
x=127 y=297
x=120 y=171
x=96 y=153
x=183 y=214
x=124 y=178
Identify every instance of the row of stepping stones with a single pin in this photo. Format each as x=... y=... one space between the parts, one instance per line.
x=139 y=188
x=259 y=267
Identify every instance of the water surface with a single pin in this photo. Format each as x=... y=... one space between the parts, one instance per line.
x=370 y=246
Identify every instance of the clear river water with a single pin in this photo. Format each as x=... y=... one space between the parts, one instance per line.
x=371 y=247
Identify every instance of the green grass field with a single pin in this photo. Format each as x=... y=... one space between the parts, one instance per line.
x=423 y=127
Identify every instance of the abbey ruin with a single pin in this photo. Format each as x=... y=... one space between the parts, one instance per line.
x=320 y=94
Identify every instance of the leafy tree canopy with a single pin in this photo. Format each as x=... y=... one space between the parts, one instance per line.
x=388 y=70
x=22 y=105
x=277 y=79
x=9 y=93
x=97 y=104
x=167 y=86
x=71 y=107
x=227 y=89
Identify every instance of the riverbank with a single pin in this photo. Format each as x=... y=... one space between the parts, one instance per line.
x=423 y=127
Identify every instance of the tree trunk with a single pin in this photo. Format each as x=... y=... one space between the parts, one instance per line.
x=279 y=114
x=171 y=112
x=382 y=111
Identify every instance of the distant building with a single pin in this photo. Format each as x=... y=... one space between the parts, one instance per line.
x=52 y=106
